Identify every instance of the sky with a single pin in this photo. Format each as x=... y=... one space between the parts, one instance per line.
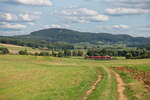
x=19 y=17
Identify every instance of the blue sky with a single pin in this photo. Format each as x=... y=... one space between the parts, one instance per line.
x=18 y=17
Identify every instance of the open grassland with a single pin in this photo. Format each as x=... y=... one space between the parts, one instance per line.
x=43 y=78
x=50 y=78
x=14 y=48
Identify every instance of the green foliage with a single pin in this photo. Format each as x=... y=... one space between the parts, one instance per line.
x=80 y=53
x=60 y=54
x=35 y=44
x=44 y=54
x=141 y=46
x=74 y=53
x=54 y=53
x=67 y=52
x=23 y=52
x=129 y=54
x=4 y=50
x=36 y=54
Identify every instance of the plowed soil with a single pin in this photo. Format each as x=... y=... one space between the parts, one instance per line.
x=142 y=76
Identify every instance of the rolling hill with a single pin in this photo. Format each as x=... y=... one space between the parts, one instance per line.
x=71 y=36
x=68 y=39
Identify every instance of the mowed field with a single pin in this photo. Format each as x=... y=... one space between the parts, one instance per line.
x=52 y=78
x=14 y=49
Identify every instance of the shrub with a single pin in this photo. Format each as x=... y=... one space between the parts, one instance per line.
x=44 y=54
x=23 y=52
x=4 y=50
x=128 y=55
x=60 y=54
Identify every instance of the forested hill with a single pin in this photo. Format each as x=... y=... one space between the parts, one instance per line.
x=71 y=36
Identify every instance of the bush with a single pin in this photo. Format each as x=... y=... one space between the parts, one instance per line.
x=36 y=54
x=140 y=57
x=128 y=55
x=54 y=53
x=80 y=53
x=44 y=54
x=60 y=54
x=23 y=52
x=4 y=50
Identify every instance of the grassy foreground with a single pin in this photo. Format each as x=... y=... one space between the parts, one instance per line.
x=50 y=78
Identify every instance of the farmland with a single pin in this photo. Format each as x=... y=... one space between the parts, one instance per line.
x=52 y=78
x=14 y=49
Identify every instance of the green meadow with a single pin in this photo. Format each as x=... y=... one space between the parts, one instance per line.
x=52 y=78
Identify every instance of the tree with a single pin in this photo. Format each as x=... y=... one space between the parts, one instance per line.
x=67 y=52
x=85 y=47
x=4 y=50
x=75 y=53
x=128 y=55
x=36 y=54
x=90 y=52
x=54 y=54
x=80 y=53
x=44 y=54
x=23 y=52
x=60 y=54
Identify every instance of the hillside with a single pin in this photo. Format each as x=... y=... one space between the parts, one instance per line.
x=56 y=38
x=71 y=36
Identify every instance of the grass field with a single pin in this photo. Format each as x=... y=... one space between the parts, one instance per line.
x=14 y=49
x=50 y=78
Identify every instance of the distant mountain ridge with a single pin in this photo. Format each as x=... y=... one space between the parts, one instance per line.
x=71 y=36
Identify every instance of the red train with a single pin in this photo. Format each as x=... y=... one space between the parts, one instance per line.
x=99 y=57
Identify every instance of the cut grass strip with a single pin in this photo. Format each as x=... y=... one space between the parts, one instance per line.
x=106 y=89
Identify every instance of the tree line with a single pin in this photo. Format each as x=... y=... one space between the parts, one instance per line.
x=59 y=53
x=129 y=54
x=36 y=44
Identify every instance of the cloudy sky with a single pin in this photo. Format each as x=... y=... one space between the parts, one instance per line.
x=18 y=17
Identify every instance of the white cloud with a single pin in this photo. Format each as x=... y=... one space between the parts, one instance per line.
x=120 y=27
x=31 y=23
x=125 y=11
x=29 y=2
x=29 y=16
x=55 y=26
x=116 y=27
x=138 y=30
x=142 y=4
x=81 y=15
x=11 y=26
x=8 y=17
x=20 y=17
x=59 y=26
x=99 y=18
x=87 y=12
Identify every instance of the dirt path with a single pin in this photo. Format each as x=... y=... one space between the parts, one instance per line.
x=92 y=87
x=140 y=75
x=120 y=87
